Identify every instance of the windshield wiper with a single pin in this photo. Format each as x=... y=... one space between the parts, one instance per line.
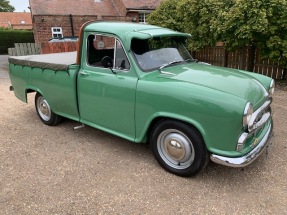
x=170 y=63
x=189 y=60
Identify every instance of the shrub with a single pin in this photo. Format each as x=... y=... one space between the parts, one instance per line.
x=9 y=37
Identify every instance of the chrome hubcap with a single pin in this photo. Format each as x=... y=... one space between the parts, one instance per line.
x=175 y=148
x=44 y=109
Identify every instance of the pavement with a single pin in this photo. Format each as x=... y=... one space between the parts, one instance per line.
x=58 y=170
x=4 y=66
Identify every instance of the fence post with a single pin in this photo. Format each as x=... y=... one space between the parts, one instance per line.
x=241 y=60
x=225 y=58
x=284 y=74
x=251 y=58
x=193 y=54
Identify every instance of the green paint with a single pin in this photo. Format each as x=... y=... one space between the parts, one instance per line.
x=125 y=103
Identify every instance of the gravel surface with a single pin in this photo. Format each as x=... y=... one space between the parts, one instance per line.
x=56 y=170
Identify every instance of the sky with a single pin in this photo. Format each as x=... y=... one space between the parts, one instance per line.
x=20 y=5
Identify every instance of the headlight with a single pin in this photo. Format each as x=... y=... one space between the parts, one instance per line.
x=272 y=87
x=248 y=111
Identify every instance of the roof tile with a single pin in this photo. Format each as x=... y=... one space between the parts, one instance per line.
x=141 y=4
x=74 y=7
x=10 y=19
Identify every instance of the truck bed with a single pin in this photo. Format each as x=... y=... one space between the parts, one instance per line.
x=56 y=61
x=52 y=75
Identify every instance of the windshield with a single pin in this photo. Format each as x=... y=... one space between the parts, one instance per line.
x=159 y=52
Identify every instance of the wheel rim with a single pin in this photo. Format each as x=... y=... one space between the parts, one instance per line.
x=44 y=109
x=175 y=148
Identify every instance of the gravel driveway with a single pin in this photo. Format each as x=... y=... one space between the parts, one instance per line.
x=56 y=170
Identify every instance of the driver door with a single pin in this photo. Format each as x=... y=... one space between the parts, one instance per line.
x=107 y=87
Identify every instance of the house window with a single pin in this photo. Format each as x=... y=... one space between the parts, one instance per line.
x=143 y=17
x=57 y=32
x=23 y=22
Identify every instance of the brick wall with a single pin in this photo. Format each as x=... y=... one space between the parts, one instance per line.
x=133 y=15
x=42 y=25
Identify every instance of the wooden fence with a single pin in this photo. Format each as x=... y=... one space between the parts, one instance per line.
x=21 y=49
x=58 y=47
x=246 y=59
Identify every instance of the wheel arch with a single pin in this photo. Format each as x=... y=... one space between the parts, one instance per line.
x=159 y=117
x=31 y=89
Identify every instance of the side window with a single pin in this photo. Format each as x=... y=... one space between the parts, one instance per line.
x=106 y=52
x=122 y=61
x=100 y=50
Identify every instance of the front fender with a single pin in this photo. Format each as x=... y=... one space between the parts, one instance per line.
x=215 y=114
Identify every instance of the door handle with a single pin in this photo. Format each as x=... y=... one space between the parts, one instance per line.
x=83 y=73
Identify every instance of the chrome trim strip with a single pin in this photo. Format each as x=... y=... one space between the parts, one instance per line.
x=245 y=113
x=249 y=157
x=256 y=113
x=166 y=73
x=272 y=87
x=262 y=121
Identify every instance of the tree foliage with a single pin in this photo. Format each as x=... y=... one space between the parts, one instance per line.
x=167 y=16
x=237 y=23
x=5 y=6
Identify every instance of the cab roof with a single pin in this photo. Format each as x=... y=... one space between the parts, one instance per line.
x=127 y=30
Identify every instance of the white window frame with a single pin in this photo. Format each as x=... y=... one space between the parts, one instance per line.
x=57 y=32
x=144 y=14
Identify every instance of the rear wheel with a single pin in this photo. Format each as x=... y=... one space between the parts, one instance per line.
x=178 y=148
x=44 y=111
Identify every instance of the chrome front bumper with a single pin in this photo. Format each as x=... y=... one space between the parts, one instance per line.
x=249 y=157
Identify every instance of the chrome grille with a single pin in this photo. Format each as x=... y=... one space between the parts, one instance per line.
x=258 y=120
x=260 y=116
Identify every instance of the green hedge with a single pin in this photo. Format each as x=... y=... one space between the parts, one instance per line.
x=9 y=37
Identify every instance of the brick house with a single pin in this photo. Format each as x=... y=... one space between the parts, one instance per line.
x=16 y=20
x=59 y=18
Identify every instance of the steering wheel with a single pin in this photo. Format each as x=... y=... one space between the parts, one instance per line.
x=107 y=62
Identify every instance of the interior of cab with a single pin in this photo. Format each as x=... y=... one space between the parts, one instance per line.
x=106 y=52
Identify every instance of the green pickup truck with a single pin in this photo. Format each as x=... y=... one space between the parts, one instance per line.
x=139 y=82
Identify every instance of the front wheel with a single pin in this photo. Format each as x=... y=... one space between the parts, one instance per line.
x=44 y=111
x=178 y=148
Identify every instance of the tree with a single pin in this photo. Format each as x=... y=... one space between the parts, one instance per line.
x=237 y=23
x=200 y=18
x=167 y=16
x=5 y=6
x=274 y=44
x=203 y=20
